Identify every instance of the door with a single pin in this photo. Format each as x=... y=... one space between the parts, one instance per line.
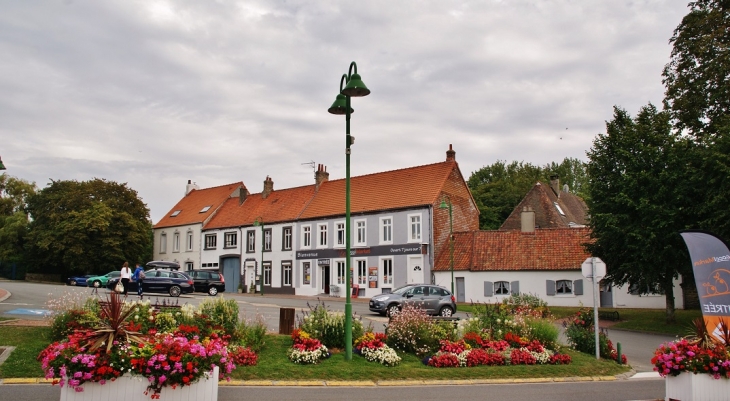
x=249 y=274
x=325 y=279
x=416 y=296
x=231 y=273
x=606 y=296
x=415 y=269
x=460 y=290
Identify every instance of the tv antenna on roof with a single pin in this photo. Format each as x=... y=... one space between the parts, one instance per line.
x=313 y=165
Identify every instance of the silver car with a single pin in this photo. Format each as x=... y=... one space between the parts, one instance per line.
x=434 y=299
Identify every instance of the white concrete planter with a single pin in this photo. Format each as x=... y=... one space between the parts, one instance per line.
x=696 y=387
x=131 y=388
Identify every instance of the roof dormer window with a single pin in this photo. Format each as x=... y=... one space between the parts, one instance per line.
x=205 y=209
x=560 y=210
x=175 y=213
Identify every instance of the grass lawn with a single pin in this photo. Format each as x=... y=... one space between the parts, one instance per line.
x=273 y=364
x=646 y=320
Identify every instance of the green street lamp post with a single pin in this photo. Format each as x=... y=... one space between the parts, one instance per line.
x=260 y=222
x=354 y=87
x=443 y=205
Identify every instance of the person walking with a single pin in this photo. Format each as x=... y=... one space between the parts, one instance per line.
x=126 y=273
x=139 y=277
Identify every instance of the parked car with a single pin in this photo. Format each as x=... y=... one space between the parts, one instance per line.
x=210 y=281
x=101 y=281
x=436 y=300
x=78 y=280
x=160 y=281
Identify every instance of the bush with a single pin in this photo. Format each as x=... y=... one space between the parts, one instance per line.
x=412 y=330
x=251 y=333
x=544 y=331
x=328 y=327
x=527 y=305
x=219 y=314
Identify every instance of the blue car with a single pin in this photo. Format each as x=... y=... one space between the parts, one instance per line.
x=78 y=280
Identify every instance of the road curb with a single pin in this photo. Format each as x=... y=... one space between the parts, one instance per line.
x=4 y=294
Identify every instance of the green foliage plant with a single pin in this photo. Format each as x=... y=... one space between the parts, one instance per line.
x=219 y=313
x=412 y=330
x=327 y=326
x=544 y=331
x=251 y=333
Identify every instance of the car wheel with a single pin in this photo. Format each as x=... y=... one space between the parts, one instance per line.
x=393 y=309
x=174 y=291
x=72 y=282
x=446 y=311
x=97 y=283
x=212 y=291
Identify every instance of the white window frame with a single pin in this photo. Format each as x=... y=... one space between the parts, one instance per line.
x=230 y=239
x=361 y=232
x=307 y=264
x=415 y=229
x=386 y=266
x=211 y=241
x=267 y=273
x=322 y=235
x=286 y=233
x=163 y=243
x=386 y=230
x=251 y=241
x=340 y=271
x=362 y=271
x=189 y=265
x=176 y=242
x=500 y=287
x=286 y=274
x=189 y=241
x=268 y=239
x=306 y=236
x=569 y=287
x=340 y=236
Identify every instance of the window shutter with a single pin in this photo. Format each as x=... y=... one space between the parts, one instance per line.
x=488 y=289
x=550 y=284
x=514 y=287
x=578 y=287
x=634 y=289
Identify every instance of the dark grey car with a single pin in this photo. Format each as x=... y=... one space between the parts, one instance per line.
x=434 y=299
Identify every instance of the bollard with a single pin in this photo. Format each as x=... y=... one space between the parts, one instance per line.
x=618 y=351
x=286 y=320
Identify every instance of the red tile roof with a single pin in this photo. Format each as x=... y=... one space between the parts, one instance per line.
x=541 y=198
x=396 y=189
x=280 y=206
x=545 y=249
x=197 y=199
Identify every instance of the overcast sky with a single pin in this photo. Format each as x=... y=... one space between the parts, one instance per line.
x=155 y=93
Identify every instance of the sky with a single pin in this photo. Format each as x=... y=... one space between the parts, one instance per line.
x=156 y=93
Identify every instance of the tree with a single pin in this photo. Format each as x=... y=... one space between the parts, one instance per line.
x=639 y=201
x=14 y=193
x=87 y=227
x=499 y=188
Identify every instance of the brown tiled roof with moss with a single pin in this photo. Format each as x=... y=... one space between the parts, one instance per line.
x=191 y=205
x=542 y=199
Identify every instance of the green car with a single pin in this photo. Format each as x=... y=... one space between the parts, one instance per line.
x=100 y=281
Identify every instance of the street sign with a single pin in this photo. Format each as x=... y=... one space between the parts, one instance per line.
x=587 y=268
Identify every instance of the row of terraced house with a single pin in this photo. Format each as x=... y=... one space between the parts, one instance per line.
x=292 y=241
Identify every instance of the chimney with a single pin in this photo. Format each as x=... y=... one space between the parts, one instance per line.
x=242 y=195
x=268 y=187
x=321 y=175
x=528 y=220
x=191 y=185
x=555 y=184
x=450 y=154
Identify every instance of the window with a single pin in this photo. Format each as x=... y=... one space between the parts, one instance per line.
x=414 y=228
x=387 y=265
x=360 y=232
x=176 y=242
x=211 y=241
x=307 y=273
x=340 y=225
x=205 y=209
x=250 y=241
x=286 y=274
x=564 y=287
x=501 y=288
x=362 y=271
x=175 y=213
x=267 y=273
x=267 y=240
x=188 y=265
x=340 y=271
x=386 y=230
x=560 y=210
x=286 y=239
x=322 y=235
x=231 y=240
x=306 y=236
x=189 y=241
x=163 y=243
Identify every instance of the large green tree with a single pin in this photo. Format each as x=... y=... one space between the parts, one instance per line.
x=87 y=227
x=639 y=200
x=14 y=193
x=499 y=188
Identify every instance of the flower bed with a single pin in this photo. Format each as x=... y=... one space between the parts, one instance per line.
x=306 y=350
x=372 y=346
x=518 y=351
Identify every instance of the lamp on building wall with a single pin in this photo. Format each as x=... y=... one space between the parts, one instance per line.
x=260 y=222
x=449 y=206
x=354 y=87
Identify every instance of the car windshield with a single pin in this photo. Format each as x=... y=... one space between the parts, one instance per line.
x=401 y=290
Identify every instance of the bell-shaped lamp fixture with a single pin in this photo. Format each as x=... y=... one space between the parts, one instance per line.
x=443 y=205
x=340 y=106
x=2 y=166
x=356 y=87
